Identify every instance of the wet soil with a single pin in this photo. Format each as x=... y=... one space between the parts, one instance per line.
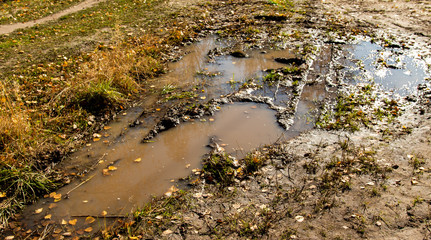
x=315 y=183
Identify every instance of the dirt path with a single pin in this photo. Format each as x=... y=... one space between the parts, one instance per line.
x=5 y=29
x=398 y=16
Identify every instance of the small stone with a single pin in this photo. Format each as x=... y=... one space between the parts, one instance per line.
x=167 y=232
x=345 y=227
x=378 y=223
x=299 y=218
x=239 y=54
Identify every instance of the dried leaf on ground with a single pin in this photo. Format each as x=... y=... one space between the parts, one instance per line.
x=73 y=222
x=89 y=220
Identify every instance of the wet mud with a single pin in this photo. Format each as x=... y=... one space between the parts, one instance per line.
x=144 y=154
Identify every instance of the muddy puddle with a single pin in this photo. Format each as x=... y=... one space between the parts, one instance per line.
x=130 y=172
x=220 y=74
x=391 y=67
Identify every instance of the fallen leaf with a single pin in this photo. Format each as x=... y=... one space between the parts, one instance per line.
x=9 y=237
x=112 y=168
x=104 y=213
x=105 y=172
x=167 y=232
x=57 y=197
x=37 y=211
x=89 y=229
x=52 y=205
x=158 y=109
x=88 y=144
x=203 y=97
x=188 y=165
x=51 y=195
x=96 y=135
x=211 y=119
x=73 y=222
x=106 y=128
x=2 y=194
x=173 y=189
x=66 y=234
x=96 y=139
x=48 y=216
x=63 y=222
x=89 y=220
x=137 y=160
x=80 y=232
x=57 y=230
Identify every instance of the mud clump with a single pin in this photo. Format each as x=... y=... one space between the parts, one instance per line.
x=295 y=61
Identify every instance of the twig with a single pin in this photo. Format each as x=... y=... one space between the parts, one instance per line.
x=79 y=185
x=95 y=216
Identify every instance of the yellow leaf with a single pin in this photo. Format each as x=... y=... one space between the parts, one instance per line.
x=73 y=222
x=203 y=97
x=37 y=211
x=2 y=194
x=137 y=160
x=97 y=135
x=52 y=205
x=51 y=195
x=57 y=199
x=96 y=139
x=105 y=172
x=89 y=220
x=106 y=128
x=112 y=168
x=89 y=229
x=211 y=119
x=63 y=222
x=48 y=216
x=57 y=196
x=104 y=213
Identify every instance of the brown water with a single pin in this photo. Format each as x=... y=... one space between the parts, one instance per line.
x=240 y=127
x=229 y=70
x=172 y=155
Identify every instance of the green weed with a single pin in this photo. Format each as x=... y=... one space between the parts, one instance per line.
x=20 y=186
x=219 y=168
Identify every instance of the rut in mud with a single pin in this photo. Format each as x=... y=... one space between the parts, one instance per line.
x=128 y=171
